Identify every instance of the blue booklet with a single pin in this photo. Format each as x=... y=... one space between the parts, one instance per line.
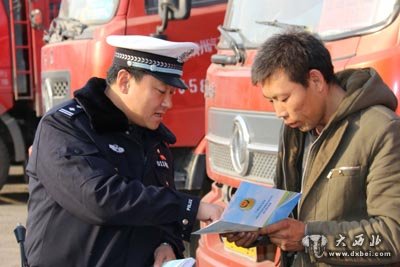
x=252 y=207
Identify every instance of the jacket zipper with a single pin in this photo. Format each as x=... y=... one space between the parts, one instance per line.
x=308 y=156
x=284 y=159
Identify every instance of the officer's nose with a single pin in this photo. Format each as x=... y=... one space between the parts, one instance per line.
x=167 y=102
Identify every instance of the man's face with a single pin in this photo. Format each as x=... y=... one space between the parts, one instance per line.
x=299 y=107
x=147 y=101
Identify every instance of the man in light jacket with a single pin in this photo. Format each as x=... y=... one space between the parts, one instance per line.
x=340 y=147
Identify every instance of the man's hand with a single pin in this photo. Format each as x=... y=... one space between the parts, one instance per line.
x=209 y=212
x=286 y=234
x=242 y=239
x=163 y=253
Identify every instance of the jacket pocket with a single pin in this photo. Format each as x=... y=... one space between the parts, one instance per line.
x=344 y=171
x=81 y=150
x=345 y=194
x=81 y=162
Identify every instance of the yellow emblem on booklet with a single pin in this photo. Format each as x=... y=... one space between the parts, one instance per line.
x=247 y=203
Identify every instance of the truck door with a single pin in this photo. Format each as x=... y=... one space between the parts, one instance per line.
x=41 y=14
x=28 y=19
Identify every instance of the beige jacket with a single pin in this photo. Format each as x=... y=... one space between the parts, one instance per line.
x=351 y=183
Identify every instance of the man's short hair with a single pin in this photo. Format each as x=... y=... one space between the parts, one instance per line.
x=295 y=53
x=114 y=69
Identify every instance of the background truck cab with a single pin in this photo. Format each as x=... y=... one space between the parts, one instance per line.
x=242 y=130
x=77 y=50
x=22 y=24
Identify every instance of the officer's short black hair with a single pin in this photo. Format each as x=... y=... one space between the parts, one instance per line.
x=114 y=69
x=295 y=53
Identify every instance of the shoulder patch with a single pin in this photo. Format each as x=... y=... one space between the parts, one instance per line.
x=71 y=109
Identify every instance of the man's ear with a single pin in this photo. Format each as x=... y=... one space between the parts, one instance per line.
x=316 y=79
x=122 y=81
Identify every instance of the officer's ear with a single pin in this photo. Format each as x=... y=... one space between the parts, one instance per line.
x=123 y=81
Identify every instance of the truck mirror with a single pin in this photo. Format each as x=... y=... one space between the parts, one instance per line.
x=172 y=10
x=176 y=9
x=36 y=18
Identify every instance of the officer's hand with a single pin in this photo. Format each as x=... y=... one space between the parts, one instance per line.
x=163 y=253
x=286 y=234
x=242 y=239
x=209 y=212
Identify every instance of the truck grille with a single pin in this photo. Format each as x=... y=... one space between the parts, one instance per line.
x=262 y=147
x=262 y=165
x=60 y=88
x=55 y=88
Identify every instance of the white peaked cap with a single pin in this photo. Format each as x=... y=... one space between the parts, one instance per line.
x=160 y=58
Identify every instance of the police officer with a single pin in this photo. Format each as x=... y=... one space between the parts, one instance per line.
x=101 y=174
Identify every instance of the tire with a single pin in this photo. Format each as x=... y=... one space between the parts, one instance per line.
x=4 y=163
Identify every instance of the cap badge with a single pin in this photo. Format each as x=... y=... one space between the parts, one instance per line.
x=153 y=67
x=185 y=55
x=116 y=148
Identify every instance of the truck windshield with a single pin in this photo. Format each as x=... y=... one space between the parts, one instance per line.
x=330 y=19
x=89 y=12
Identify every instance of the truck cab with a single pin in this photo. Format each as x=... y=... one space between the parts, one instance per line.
x=22 y=25
x=242 y=131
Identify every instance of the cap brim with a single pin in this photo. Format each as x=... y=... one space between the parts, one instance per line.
x=169 y=79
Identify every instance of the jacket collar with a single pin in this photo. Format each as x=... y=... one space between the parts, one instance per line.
x=103 y=114
x=105 y=117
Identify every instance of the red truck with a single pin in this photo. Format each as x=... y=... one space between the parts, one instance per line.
x=22 y=25
x=77 y=50
x=242 y=130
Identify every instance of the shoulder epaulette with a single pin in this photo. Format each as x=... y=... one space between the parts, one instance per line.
x=71 y=109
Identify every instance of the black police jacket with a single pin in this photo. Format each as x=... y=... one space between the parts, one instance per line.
x=101 y=190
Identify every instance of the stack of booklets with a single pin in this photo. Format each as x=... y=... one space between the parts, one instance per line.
x=186 y=262
x=253 y=206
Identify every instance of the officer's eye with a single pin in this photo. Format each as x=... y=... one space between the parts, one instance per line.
x=161 y=91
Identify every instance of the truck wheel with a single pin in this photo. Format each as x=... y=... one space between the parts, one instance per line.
x=4 y=163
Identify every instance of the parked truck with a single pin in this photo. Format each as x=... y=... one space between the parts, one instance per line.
x=242 y=131
x=77 y=50
x=22 y=24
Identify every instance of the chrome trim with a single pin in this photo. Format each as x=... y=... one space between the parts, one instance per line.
x=238 y=146
x=257 y=147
